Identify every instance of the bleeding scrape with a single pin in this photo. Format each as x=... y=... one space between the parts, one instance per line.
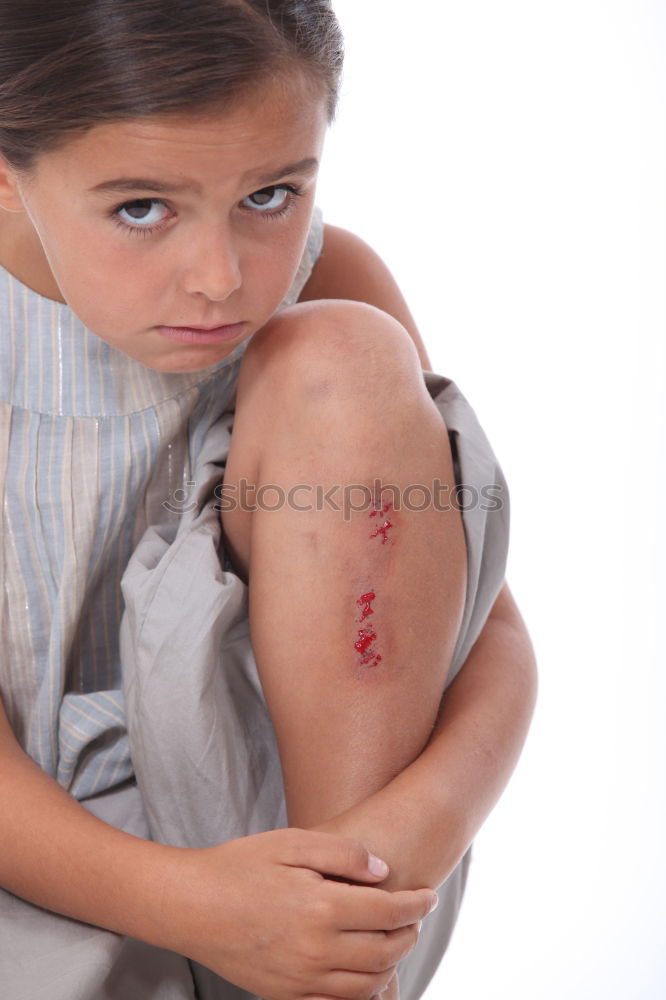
x=364 y=602
x=366 y=637
x=386 y=526
x=363 y=645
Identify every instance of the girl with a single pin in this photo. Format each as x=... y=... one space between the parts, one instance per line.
x=236 y=572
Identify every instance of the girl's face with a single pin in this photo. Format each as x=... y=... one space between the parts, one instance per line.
x=153 y=225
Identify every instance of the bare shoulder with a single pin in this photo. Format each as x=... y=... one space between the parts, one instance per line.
x=347 y=262
x=340 y=248
x=349 y=268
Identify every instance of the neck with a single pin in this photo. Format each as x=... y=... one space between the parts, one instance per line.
x=22 y=254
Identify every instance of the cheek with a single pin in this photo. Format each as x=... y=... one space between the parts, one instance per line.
x=279 y=261
x=77 y=258
x=110 y=295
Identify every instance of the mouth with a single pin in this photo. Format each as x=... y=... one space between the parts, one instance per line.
x=203 y=334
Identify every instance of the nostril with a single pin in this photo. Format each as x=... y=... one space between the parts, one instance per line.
x=213 y=271
x=215 y=287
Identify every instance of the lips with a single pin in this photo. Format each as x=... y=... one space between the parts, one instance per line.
x=202 y=329
x=203 y=334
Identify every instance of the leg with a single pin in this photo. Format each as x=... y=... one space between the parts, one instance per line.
x=353 y=618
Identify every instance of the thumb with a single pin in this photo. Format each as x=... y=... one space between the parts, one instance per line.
x=331 y=854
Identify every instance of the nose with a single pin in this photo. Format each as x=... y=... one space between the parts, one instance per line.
x=212 y=266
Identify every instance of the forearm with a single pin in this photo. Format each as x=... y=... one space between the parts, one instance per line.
x=422 y=822
x=57 y=855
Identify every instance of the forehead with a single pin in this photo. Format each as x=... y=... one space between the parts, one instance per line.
x=283 y=118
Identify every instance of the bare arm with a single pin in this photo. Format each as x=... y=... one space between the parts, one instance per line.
x=424 y=819
x=255 y=910
x=53 y=851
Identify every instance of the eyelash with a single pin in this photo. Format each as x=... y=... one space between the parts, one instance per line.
x=293 y=189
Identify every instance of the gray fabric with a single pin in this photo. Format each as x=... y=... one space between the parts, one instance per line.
x=201 y=738
x=485 y=507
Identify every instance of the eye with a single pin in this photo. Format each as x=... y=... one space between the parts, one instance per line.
x=271 y=200
x=144 y=213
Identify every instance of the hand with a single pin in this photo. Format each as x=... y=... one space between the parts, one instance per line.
x=259 y=912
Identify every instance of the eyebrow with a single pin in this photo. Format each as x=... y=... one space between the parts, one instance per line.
x=124 y=184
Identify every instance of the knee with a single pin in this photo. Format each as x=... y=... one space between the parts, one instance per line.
x=333 y=349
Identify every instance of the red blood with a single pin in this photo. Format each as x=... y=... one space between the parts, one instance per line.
x=366 y=637
x=383 y=532
x=364 y=602
x=368 y=658
x=384 y=510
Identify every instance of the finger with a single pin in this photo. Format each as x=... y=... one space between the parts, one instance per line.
x=376 y=951
x=330 y=854
x=358 y=908
x=352 y=985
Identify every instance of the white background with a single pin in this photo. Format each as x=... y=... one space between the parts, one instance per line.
x=508 y=161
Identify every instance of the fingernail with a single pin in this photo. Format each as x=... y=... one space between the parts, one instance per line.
x=377 y=866
x=434 y=906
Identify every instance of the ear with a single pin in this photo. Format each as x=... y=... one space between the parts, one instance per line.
x=10 y=194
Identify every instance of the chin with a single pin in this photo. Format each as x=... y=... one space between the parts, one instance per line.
x=172 y=362
x=183 y=362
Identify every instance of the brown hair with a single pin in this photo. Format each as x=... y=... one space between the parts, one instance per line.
x=67 y=65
